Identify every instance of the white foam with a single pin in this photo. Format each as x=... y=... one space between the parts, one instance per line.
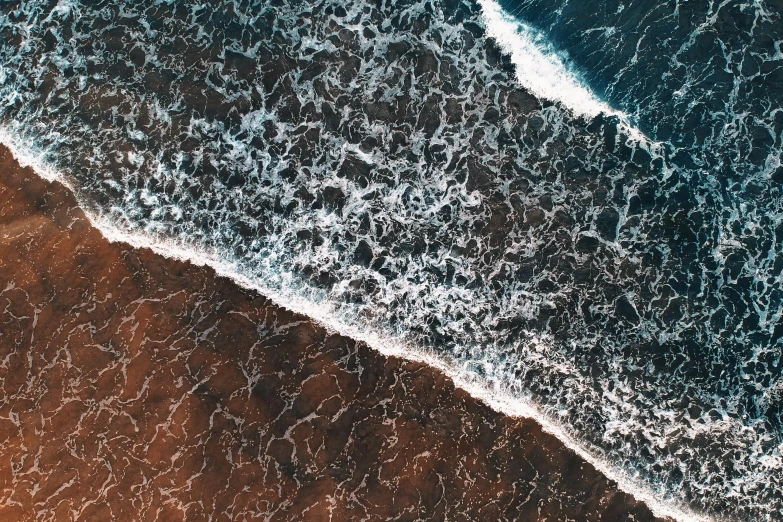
x=322 y=312
x=539 y=69
x=542 y=71
x=27 y=155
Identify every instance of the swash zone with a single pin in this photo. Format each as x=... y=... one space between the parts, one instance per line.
x=383 y=158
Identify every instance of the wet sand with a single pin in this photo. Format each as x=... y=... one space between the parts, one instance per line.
x=135 y=387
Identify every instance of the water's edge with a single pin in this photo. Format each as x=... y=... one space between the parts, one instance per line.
x=491 y=394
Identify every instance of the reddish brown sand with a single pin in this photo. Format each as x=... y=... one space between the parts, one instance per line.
x=138 y=388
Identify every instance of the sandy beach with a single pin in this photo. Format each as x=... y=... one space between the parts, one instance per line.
x=135 y=387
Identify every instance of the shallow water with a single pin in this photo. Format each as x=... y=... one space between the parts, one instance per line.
x=581 y=207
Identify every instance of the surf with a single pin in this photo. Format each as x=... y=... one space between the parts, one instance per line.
x=390 y=179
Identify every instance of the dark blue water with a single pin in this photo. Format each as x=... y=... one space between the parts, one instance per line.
x=586 y=213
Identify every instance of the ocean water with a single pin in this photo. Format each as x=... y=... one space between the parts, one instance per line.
x=576 y=205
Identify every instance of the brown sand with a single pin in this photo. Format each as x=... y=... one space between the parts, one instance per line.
x=136 y=388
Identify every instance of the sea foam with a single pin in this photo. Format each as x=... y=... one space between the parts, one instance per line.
x=492 y=393
x=542 y=70
x=468 y=236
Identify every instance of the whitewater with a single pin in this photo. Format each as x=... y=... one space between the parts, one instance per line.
x=448 y=185
x=493 y=393
x=540 y=70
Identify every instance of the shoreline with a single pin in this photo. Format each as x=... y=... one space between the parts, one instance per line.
x=497 y=400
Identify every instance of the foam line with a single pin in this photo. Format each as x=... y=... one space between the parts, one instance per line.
x=539 y=69
x=493 y=395
x=542 y=72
